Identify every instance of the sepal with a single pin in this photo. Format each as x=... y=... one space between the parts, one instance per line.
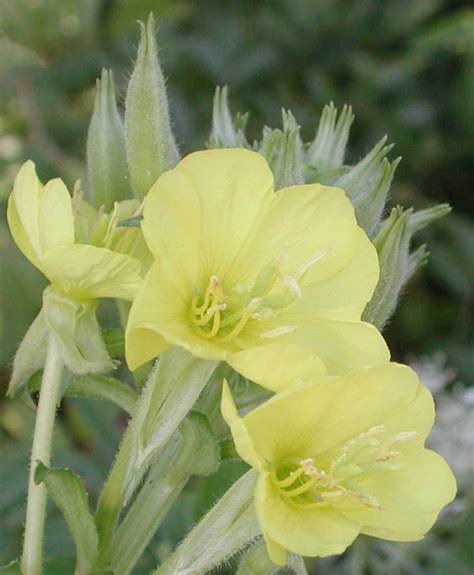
x=75 y=327
x=30 y=356
x=255 y=561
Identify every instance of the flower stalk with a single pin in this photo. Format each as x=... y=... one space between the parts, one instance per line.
x=50 y=395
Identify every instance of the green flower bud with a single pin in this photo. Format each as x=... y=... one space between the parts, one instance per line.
x=225 y=132
x=397 y=264
x=367 y=184
x=327 y=150
x=151 y=148
x=283 y=151
x=106 y=155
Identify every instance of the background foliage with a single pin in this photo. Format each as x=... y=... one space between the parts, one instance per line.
x=406 y=67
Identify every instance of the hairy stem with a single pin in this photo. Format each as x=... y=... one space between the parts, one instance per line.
x=31 y=562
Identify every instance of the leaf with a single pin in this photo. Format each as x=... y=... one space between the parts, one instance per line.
x=12 y=568
x=68 y=492
x=103 y=387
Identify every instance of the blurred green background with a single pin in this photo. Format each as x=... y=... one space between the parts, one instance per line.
x=407 y=68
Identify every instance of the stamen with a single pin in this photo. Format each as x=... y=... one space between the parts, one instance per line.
x=112 y=223
x=209 y=313
x=304 y=267
x=282 y=330
x=246 y=315
x=293 y=285
x=292 y=477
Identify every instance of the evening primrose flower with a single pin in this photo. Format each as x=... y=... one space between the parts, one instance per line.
x=272 y=282
x=41 y=222
x=46 y=228
x=341 y=458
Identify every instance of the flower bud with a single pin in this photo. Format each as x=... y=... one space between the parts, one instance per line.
x=106 y=155
x=151 y=148
x=327 y=150
x=225 y=132
x=397 y=264
x=367 y=185
x=283 y=151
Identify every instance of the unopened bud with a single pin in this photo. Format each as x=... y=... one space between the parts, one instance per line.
x=283 y=151
x=367 y=185
x=328 y=148
x=397 y=264
x=151 y=148
x=226 y=132
x=106 y=155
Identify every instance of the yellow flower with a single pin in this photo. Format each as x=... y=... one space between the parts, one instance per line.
x=41 y=221
x=341 y=458
x=273 y=283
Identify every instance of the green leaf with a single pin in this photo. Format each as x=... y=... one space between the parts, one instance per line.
x=12 y=568
x=204 y=457
x=68 y=492
x=103 y=387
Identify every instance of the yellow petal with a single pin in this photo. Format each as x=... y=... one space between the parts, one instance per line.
x=309 y=532
x=277 y=366
x=342 y=346
x=276 y=552
x=242 y=440
x=200 y=213
x=39 y=217
x=412 y=497
x=309 y=226
x=310 y=420
x=345 y=295
x=87 y=272
x=158 y=317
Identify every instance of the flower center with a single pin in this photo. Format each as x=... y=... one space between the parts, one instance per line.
x=223 y=315
x=304 y=485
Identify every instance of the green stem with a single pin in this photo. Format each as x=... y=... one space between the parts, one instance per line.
x=31 y=562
